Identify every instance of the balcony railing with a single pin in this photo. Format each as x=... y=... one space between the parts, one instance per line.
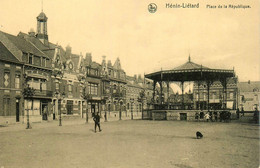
x=44 y=93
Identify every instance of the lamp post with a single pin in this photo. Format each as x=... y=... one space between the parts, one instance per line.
x=132 y=101
x=59 y=98
x=141 y=99
x=120 y=110
x=58 y=74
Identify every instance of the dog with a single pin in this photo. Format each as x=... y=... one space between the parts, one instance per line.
x=199 y=135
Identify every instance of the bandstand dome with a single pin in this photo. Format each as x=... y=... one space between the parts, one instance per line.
x=191 y=71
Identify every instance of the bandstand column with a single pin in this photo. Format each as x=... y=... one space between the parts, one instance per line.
x=182 y=90
x=154 y=84
x=198 y=95
x=161 y=91
x=224 y=100
x=168 y=83
x=208 y=89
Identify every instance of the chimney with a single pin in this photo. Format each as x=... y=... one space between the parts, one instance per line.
x=109 y=64
x=31 y=33
x=68 y=51
x=248 y=81
x=88 y=57
x=135 y=77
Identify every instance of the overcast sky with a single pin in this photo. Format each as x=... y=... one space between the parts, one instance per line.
x=145 y=42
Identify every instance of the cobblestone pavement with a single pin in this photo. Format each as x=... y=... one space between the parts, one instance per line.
x=129 y=144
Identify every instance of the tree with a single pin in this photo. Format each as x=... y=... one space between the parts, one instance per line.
x=141 y=98
x=28 y=93
x=86 y=97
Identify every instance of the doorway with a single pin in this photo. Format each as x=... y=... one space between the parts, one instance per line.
x=69 y=106
x=93 y=109
x=183 y=116
x=44 y=111
x=17 y=110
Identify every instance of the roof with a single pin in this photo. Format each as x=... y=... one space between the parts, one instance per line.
x=24 y=45
x=190 y=72
x=249 y=86
x=6 y=55
x=33 y=40
x=48 y=50
x=42 y=16
x=117 y=64
x=190 y=65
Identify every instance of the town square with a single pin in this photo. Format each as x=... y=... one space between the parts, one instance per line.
x=97 y=84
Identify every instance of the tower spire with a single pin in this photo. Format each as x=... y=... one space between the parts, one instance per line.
x=189 y=57
x=42 y=5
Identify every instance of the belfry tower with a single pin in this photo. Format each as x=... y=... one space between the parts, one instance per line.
x=41 y=33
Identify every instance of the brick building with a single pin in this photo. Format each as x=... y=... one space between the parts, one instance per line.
x=249 y=93
x=115 y=89
x=216 y=95
x=37 y=67
x=11 y=76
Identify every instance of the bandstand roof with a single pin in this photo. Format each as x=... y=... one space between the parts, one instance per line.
x=190 y=71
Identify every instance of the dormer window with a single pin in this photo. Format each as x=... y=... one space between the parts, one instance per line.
x=70 y=66
x=57 y=59
x=30 y=59
x=43 y=62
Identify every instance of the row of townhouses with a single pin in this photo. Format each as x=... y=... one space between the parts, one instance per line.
x=64 y=82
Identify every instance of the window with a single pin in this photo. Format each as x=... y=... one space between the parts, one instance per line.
x=6 y=106
x=44 y=62
x=17 y=81
x=6 y=79
x=70 y=88
x=231 y=95
x=37 y=61
x=214 y=96
x=30 y=82
x=255 y=98
x=93 y=88
x=40 y=86
x=30 y=59
x=57 y=85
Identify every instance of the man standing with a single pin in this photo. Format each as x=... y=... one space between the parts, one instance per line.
x=96 y=119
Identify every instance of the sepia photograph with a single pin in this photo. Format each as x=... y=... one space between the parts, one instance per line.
x=129 y=84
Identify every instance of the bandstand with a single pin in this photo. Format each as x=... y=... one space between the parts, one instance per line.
x=188 y=72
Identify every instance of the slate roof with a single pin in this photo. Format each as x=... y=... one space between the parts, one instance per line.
x=48 y=50
x=24 y=45
x=6 y=55
x=249 y=86
x=34 y=40
x=190 y=65
x=42 y=16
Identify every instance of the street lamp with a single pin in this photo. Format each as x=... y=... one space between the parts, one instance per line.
x=59 y=98
x=132 y=101
x=120 y=110
x=63 y=96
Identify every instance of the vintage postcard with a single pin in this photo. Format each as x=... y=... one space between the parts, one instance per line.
x=129 y=84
